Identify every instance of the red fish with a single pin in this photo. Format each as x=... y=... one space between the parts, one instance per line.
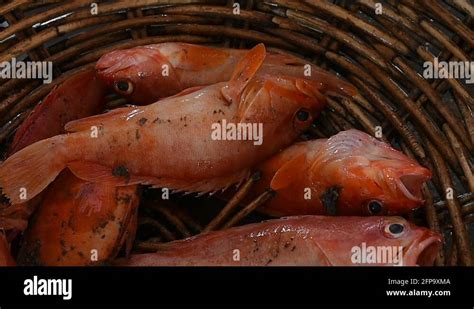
x=80 y=223
x=147 y=73
x=79 y=96
x=172 y=143
x=303 y=241
x=67 y=101
x=92 y=211
x=350 y=173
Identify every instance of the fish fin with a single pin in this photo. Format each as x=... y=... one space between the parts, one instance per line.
x=117 y=176
x=130 y=232
x=30 y=170
x=284 y=176
x=243 y=73
x=205 y=185
x=129 y=197
x=88 y=194
x=86 y=123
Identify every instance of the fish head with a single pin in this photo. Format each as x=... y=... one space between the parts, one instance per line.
x=380 y=240
x=286 y=105
x=374 y=178
x=140 y=74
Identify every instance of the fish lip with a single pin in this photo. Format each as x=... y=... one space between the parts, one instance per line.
x=410 y=185
x=423 y=251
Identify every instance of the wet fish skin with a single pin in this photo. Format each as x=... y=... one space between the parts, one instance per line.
x=296 y=241
x=138 y=145
x=74 y=216
x=351 y=173
x=145 y=74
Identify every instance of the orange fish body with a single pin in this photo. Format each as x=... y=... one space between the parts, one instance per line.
x=147 y=73
x=48 y=240
x=350 y=173
x=79 y=96
x=175 y=142
x=301 y=241
x=80 y=223
x=67 y=101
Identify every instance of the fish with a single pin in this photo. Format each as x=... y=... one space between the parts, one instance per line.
x=92 y=211
x=302 y=241
x=65 y=102
x=79 y=96
x=171 y=143
x=80 y=223
x=348 y=174
x=145 y=74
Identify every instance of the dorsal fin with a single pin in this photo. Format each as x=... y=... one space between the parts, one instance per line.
x=120 y=176
x=243 y=73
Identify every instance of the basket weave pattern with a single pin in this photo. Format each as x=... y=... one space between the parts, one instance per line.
x=381 y=54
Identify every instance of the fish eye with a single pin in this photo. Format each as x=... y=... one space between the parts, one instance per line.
x=123 y=87
x=302 y=115
x=375 y=207
x=394 y=230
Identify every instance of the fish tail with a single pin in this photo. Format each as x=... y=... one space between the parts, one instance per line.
x=26 y=173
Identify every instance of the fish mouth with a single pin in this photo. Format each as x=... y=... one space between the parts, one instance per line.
x=423 y=251
x=410 y=185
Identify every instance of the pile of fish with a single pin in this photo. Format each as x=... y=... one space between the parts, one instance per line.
x=73 y=176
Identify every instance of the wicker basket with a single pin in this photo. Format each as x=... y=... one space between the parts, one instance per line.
x=381 y=54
